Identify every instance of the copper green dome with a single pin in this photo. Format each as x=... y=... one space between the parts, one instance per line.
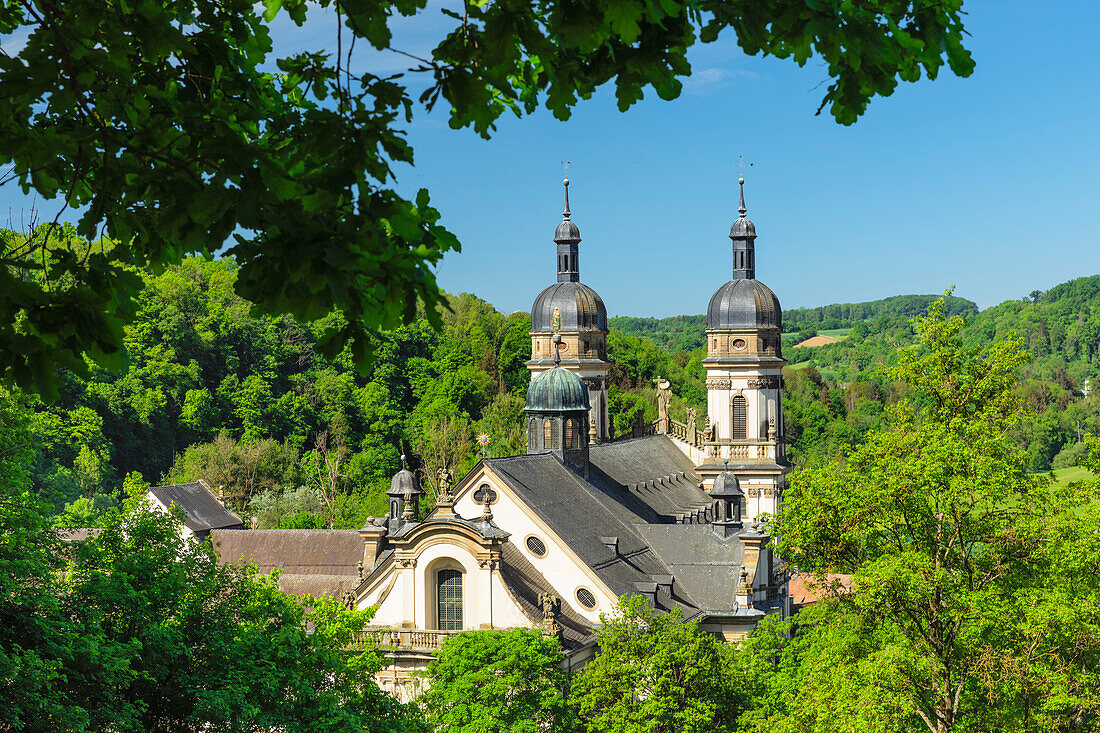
x=557 y=390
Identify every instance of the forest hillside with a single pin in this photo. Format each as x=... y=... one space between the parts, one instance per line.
x=215 y=391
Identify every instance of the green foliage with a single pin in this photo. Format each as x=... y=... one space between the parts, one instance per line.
x=176 y=144
x=498 y=682
x=636 y=362
x=658 y=674
x=138 y=628
x=214 y=392
x=962 y=600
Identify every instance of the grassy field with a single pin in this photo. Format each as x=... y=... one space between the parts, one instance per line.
x=1073 y=473
x=838 y=333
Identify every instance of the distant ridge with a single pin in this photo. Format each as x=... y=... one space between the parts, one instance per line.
x=687 y=333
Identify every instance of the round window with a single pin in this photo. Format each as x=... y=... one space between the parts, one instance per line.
x=586 y=598
x=536 y=546
x=739 y=344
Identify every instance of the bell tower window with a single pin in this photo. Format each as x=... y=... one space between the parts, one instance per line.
x=739 y=410
x=449 y=600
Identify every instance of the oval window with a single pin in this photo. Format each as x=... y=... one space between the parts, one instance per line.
x=536 y=546
x=586 y=598
x=739 y=344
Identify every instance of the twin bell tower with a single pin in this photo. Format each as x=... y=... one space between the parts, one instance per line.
x=744 y=365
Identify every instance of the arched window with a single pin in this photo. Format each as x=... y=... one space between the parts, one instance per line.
x=547 y=429
x=532 y=433
x=739 y=411
x=555 y=437
x=449 y=600
x=571 y=441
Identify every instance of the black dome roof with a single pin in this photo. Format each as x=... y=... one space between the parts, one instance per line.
x=744 y=304
x=567 y=231
x=404 y=483
x=726 y=486
x=580 y=308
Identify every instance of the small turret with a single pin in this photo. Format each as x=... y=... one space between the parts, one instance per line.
x=727 y=496
x=557 y=413
x=404 y=496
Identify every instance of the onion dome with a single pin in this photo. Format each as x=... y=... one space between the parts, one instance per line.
x=726 y=486
x=557 y=390
x=568 y=304
x=404 y=483
x=744 y=305
x=579 y=308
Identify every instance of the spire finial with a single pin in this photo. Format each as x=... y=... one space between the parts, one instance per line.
x=741 y=182
x=565 y=212
x=403 y=466
x=557 y=349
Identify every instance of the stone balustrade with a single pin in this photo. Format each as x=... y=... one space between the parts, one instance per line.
x=385 y=638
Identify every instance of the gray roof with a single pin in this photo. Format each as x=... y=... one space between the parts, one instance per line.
x=744 y=304
x=557 y=390
x=580 y=308
x=404 y=483
x=202 y=510
x=526 y=584
x=702 y=562
x=635 y=491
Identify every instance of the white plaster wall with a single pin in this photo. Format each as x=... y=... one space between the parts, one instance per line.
x=558 y=567
x=486 y=602
x=392 y=611
x=473 y=584
x=760 y=403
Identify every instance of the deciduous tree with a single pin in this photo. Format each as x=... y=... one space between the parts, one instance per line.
x=498 y=682
x=174 y=126
x=960 y=593
x=656 y=673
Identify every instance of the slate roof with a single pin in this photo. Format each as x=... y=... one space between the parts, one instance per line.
x=202 y=510
x=635 y=492
x=706 y=565
x=313 y=561
x=294 y=551
x=526 y=584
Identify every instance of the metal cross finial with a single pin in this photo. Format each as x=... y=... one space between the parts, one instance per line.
x=557 y=349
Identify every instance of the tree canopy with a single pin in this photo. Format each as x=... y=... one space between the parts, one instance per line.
x=140 y=629
x=967 y=607
x=498 y=682
x=656 y=673
x=173 y=126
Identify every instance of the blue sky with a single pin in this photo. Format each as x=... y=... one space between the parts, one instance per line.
x=988 y=183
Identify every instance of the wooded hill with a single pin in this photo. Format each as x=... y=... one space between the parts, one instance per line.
x=244 y=401
x=836 y=392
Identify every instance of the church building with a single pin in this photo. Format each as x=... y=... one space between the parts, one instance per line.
x=674 y=512
x=552 y=538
